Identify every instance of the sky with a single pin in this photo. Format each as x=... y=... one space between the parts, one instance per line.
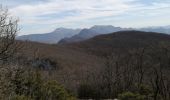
x=42 y=16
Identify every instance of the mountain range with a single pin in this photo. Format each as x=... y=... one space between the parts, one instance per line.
x=65 y=35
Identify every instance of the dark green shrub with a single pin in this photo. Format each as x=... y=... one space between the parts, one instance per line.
x=143 y=89
x=89 y=91
x=131 y=96
x=20 y=97
x=53 y=91
x=30 y=84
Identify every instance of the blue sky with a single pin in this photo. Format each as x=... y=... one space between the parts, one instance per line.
x=41 y=16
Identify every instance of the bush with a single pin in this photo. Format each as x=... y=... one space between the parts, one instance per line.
x=54 y=91
x=29 y=85
x=131 y=96
x=89 y=91
x=44 y=64
x=21 y=97
x=144 y=89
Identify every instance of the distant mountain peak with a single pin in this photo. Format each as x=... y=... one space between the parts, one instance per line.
x=52 y=37
x=91 y=32
x=104 y=26
x=61 y=29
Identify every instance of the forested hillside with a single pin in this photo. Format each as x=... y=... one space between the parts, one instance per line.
x=126 y=64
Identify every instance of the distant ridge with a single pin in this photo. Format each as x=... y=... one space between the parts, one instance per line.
x=65 y=35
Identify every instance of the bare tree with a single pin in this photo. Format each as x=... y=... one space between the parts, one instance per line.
x=111 y=75
x=8 y=46
x=8 y=31
x=108 y=75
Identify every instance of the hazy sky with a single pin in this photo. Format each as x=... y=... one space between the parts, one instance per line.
x=40 y=16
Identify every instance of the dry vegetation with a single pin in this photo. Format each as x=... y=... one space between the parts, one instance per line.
x=72 y=65
x=128 y=65
x=102 y=68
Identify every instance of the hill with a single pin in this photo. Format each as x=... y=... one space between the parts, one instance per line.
x=103 y=44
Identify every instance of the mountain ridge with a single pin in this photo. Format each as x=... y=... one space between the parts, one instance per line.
x=67 y=35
